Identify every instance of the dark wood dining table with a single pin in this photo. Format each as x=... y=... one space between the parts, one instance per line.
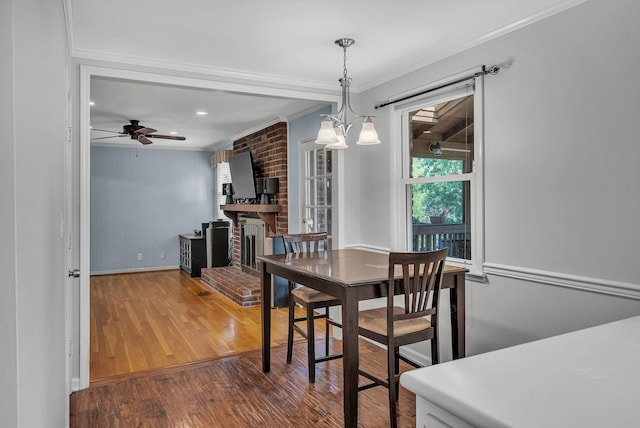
x=351 y=275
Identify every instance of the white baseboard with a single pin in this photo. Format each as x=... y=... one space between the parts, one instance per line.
x=75 y=384
x=369 y=248
x=134 y=270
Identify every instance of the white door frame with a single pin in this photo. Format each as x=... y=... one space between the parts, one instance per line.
x=86 y=73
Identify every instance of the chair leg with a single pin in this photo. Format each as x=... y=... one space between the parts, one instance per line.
x=435 y=358
x=292 y=308
x=326 y=331
x=391 y=370
x=397 y=370
x=311 y=352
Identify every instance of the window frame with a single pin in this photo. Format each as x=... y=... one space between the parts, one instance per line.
x=222 y=172
x=400 y=174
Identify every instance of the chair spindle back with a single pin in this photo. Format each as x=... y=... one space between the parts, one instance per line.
x=309 y=243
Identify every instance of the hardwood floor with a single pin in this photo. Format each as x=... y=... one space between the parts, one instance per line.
x=233 y=392
x=149 y=320
x=168 y=351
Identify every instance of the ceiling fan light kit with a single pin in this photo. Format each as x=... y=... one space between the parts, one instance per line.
x=334 y=130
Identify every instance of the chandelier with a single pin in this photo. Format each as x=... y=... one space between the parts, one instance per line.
x=333 y=131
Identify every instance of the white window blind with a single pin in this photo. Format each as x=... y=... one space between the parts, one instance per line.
x=223 y=175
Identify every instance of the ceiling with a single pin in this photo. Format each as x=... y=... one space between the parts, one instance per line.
x=278 y=44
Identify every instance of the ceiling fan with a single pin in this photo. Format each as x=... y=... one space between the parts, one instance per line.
x=138 y=132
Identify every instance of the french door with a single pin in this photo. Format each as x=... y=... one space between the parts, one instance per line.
x=316 y=168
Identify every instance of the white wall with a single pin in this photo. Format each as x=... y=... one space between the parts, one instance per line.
x=8 y=288
x=561 y=173
x=33 y=388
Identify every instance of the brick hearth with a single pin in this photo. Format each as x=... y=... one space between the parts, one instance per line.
x=241 y=287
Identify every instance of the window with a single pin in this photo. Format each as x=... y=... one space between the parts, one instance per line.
x=223 y=175
x=440 y=177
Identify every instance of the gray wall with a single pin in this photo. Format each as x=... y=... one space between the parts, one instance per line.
x=562 y=172
x=141 y=200
x=32 y=255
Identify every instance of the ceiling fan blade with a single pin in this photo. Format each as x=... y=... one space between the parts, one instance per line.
x=166 y=137
x=144 y=131
x=110 y=136
x=143 y=139
x=108 y=130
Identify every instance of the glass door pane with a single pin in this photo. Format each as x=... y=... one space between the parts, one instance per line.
x=317 y=209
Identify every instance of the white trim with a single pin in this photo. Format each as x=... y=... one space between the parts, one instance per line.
x=477 y=190
x=415 y=356
x=85 y=227
x=66 y=231
x=218 y=72
x=576 y=282
x=260 y=127
x=128 y=144
x=396 y=187
x=365 y=247
x=67 y=7
x=338 y=203
x=166 y=79
x=402 y=68
x=135 y=270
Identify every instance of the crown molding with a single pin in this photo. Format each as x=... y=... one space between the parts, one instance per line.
x=215 y=72
x=258 y=128
x=292 y=82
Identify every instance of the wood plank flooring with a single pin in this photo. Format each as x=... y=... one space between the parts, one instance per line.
x=168 y=351
x=149 y=320
x=233 y=392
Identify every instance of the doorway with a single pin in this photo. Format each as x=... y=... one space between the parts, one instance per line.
x=82 y=317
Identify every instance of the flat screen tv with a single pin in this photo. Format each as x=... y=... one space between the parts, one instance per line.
x=242 y=176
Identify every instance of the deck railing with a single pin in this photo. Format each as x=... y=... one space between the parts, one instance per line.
x=429 y=237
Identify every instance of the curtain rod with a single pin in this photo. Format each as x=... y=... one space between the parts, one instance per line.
x=491 y=70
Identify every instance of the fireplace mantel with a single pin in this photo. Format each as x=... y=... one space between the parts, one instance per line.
x=266 y=212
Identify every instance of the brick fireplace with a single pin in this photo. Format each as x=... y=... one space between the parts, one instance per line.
x=269 y=151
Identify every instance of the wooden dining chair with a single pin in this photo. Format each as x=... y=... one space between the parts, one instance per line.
x=311 y=300
x=414 y=321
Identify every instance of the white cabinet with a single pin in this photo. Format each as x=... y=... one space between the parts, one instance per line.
x=587 y=378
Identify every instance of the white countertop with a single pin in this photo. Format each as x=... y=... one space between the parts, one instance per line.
x=586 y=378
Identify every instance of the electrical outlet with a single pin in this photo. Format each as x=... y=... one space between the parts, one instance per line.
x=139 y=256
x=163 y=254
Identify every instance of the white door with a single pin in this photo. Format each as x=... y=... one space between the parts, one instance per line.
x=317 y=198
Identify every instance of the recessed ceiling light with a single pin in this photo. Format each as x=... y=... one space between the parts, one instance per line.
x=201 y=113
x=173 y=133
x=92 y=103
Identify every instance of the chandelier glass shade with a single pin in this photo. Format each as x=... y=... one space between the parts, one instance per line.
x=335 y=128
